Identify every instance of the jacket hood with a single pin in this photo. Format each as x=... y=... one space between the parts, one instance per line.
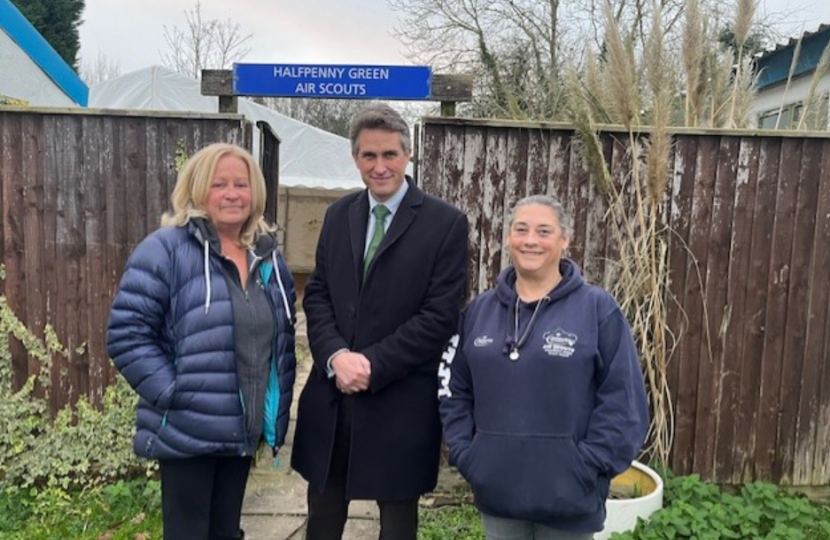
x=265 y=247
x=204 y=231
x=571 y=281
x=507 y=296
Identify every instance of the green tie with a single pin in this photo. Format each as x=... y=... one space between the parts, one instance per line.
x=380 y=212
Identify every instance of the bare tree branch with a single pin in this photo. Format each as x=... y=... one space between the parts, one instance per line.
x=203 y=44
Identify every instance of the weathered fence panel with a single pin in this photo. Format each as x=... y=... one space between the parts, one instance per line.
x=749 y=248
x=78 y=190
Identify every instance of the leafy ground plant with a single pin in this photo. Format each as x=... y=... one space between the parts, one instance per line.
x=758 y=511
x=119 y=511
x=694 y=510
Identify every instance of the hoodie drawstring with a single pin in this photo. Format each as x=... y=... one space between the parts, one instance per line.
x=254 y=259
x=281 y=287
x=207 y=277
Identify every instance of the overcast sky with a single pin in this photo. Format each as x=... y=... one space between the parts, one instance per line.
x=131 y=32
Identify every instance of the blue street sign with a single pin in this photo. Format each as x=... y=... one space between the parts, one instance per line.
x=332 y=81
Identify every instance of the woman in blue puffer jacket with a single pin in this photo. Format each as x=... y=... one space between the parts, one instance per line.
x=202 y=327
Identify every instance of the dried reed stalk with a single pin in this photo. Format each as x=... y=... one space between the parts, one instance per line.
x=743 y=79
x=810 y=117
x=693 y=61
x=790 y=75
x=620 y=73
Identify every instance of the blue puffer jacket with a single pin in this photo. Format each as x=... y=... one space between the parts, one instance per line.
x=171 y=335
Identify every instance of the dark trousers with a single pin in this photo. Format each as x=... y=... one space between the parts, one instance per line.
x=201 y=497
x=328 y=509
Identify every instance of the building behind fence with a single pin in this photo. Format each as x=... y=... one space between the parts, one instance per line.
x=749 y=256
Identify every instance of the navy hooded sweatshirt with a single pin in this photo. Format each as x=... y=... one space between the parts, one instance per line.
x=539 y=438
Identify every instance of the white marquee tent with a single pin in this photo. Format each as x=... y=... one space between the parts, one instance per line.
x=309 y=157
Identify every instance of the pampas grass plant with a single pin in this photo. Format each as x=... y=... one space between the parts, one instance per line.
x=639 y=229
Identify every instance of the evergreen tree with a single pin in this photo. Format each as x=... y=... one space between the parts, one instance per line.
x=58 y=22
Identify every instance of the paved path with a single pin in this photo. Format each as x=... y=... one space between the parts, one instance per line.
x=275 y=500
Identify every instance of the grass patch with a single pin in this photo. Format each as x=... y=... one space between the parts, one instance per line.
x=125 y=510
x=460 y=522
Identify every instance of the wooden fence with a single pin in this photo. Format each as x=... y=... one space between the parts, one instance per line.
x=79 y=189
x=749 y=258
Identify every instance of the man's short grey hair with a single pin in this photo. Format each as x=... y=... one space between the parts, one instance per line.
x=565 y=221
x=380 y=116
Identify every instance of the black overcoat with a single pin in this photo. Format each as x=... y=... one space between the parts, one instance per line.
x=400 y=318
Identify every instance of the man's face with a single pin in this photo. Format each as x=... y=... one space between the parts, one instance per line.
x=381 y=160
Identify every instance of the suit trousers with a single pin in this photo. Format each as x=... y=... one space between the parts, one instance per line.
x=328 y=509
x=201 y=497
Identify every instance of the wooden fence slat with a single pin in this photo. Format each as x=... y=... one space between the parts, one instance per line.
x=136 y=147
x=155 y=181
x=682 y=189
x=775 y=324
x=711 y=372
x=808 y=459
x=734 y=319
x=453 y=158
x=797 y=303
x=752 y=338
x=616 y=152
x=65 y=381
x=695 y=286
x=559 y=164
x=51 y=160
x=471 y=191
x=537 y=161
x=429 y=177
x=116 y=193
x=97 y=152
x=172 y=139
x=32 y=183
x=492 y=222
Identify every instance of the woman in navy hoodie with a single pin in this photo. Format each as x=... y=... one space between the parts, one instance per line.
x=542 y=396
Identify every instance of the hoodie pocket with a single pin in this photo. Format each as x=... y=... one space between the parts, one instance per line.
x=530 y=477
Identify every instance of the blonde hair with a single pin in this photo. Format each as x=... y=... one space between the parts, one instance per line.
x=192 y=187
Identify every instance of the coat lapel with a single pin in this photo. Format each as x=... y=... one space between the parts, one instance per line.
x=404 y=217
x=358 y=221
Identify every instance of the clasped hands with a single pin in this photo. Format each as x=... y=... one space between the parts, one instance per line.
x=352 y=372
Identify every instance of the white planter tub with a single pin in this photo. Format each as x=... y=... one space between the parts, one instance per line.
x=623 y=513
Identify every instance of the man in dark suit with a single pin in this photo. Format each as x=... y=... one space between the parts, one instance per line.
x=381 y=304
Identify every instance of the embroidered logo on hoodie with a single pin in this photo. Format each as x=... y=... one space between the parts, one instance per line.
x=559 y=343
x=483 y=341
